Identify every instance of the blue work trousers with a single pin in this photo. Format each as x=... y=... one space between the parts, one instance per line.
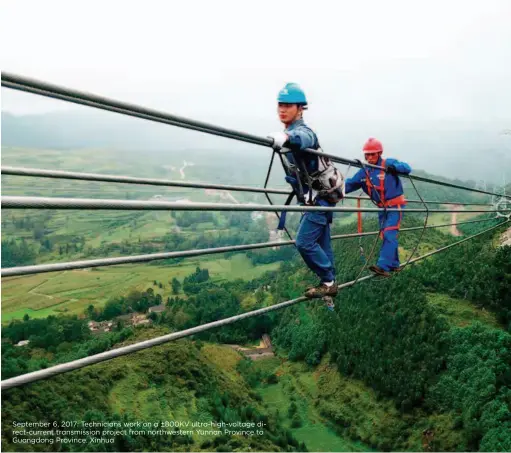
x=390 y=223
x=314 y=244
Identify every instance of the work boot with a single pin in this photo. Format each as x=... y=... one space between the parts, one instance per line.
x=379 y=271
x=397 y=269
x=322 y=290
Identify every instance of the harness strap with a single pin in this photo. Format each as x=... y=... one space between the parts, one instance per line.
x=394 y=227
x=282 y=220
x=380 y=188
x=400 y=200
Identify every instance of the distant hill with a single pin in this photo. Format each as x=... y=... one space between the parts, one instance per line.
x=455 y=150
x=92 y=129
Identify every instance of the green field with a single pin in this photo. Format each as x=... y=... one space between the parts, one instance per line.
x=460 y=312
x=101 y=227
x=54 y=293
x=72 y=291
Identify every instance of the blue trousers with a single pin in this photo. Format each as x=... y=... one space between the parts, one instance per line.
x=389 y=227
x=315 y=246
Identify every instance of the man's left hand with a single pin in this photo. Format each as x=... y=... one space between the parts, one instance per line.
x=391 y=170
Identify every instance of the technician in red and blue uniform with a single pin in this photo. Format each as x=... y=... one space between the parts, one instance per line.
x=386 y=190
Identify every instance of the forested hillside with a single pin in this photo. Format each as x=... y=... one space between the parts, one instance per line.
x=404 y=355
x=452 y=379
x=419 y=362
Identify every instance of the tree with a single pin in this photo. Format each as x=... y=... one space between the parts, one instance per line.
x=296 y=421
x=176 y=285
x=292 y=409
x=153 y=316
x=90 y=311
x=260 y=296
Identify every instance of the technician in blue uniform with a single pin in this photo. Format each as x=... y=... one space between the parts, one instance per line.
x=313 y=240
x=385 y=189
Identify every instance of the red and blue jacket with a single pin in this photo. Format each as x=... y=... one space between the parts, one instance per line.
x=383 y=188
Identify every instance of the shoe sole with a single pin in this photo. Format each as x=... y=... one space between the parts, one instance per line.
x=381 y=273
x=319 y=296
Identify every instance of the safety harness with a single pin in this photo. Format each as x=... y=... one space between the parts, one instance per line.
x=396 y=202
x=326 y=182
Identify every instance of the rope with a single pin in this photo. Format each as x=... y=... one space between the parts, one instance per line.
x=268 y=195
x=373 y=249
x=423 y=229
x=118 y=352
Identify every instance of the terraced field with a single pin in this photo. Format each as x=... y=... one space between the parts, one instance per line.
x=42 y=295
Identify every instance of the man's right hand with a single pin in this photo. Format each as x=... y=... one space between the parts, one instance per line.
x=291 y=180
x=279 y=138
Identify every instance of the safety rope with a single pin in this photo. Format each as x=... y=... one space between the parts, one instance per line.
x=373 y=248
x=423 y=229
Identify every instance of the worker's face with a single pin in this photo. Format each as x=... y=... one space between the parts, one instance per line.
x=372 y=158
x=288 y=113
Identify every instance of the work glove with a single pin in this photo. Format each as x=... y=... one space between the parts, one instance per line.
x=391 y=170
x=279 y=138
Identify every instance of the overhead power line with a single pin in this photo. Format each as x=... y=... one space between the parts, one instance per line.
x=60 y=174
x=15 y=202
x=84 y=264
x=30 y=85
x=118 y=352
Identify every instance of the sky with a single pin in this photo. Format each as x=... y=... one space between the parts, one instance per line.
x=366 y=66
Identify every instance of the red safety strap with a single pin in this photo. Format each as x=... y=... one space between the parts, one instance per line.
x=395 y=227
x=395 y=201
x=380 y=187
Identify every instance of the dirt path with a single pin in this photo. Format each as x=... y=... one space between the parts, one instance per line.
x=182 y=169
x=264 y=349
x=454 y=216
x=271 y=220
x=32 y=291
x=223 y=194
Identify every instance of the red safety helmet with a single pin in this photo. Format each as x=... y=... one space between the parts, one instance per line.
x=373 y=146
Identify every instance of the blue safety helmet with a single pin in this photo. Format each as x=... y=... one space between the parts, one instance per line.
x=292 y=94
